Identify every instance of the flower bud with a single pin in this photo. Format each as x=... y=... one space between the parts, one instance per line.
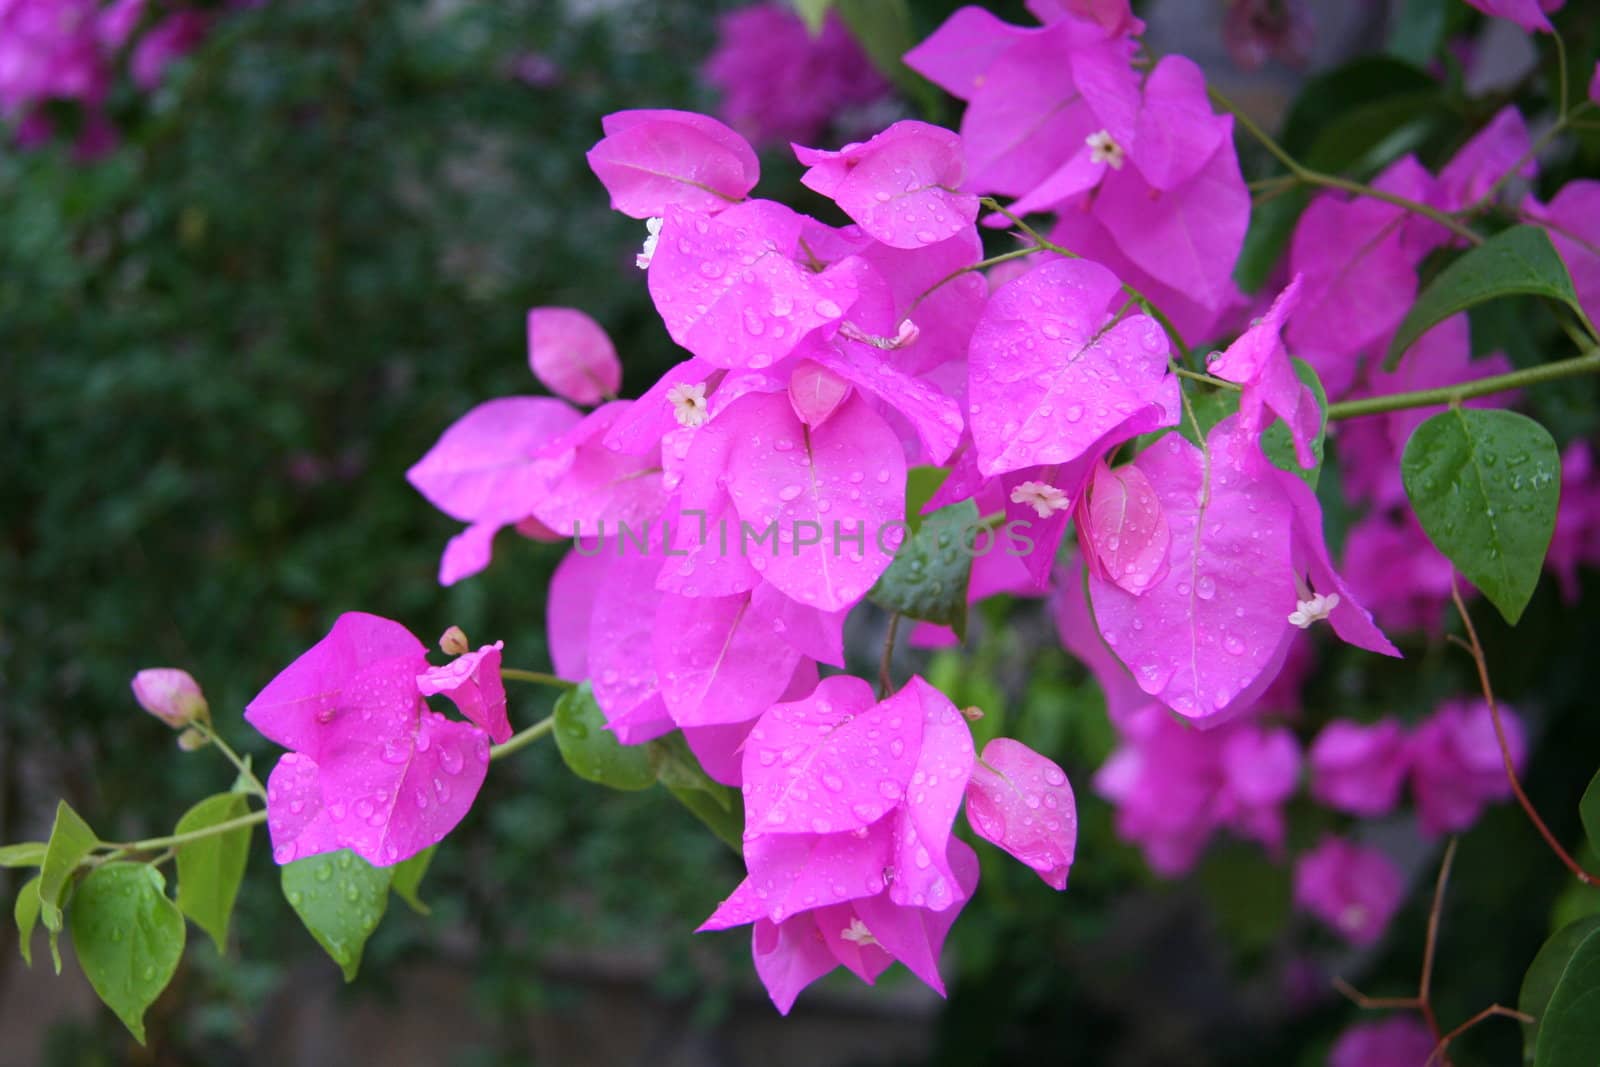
x=192 y=739
x=453 y=642
x=170 y=695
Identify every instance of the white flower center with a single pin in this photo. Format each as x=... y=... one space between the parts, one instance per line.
x=857 y=931
x=1044 y=498
x=1103 y=148
x=1319 y=607
x=688 y=403
x=906 y=335
x=652 y=235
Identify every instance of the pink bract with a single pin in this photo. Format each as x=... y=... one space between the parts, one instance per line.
x=1022 y=802
x=652 y=160
x=571 y=354
x=1357 y=768
x=902 y=187
x=1353 y=888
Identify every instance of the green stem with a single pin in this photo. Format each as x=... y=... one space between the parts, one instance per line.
x=535 y=678
x=523 y=738
x=1003 y=257
x=1333 y=181
x=1588 y=363
x=205 y=730
x=1196 y=376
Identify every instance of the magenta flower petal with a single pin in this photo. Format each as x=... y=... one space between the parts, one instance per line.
x=652 y=160
x=923 y=875
x=296 y=820
x=494 y=463
x=1023 y=803
x=364 y=663
x=833 y=762
x=789 y=956
x=902 y=187
x=716 y=662
x=1123 y=530
x=171 y=695
x=572 y=356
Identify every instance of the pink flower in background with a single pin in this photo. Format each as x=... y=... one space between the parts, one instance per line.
x=1486 y=159
x=1399 y=1041
x=1531 y=15
x=1353 y=888
x=779 y=83
x=1572 y=219
x=1174 y=785
x=1357 y=768
x=1457 y=768
x=1394 y=569
x=1257 y=30
x=171 y=695
x=1577 y=538
x=370 y=768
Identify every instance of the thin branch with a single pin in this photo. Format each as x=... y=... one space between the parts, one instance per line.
x=885 y=679
x=1438 y=1053
x=1589 y=363
x=536 y=678
x=1505 y=748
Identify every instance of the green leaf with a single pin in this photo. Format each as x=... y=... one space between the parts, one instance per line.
x=1518 y=261
x=593 y=752
x=883 y=29
x=930 y=574
x=340 y=898
x=1484 y=484
x=1589 y=811
x=26 y=912
x=1543 y=975
x=1277 y=443
x=408 y=878
x=714 y=804
x=128 y=937
x=211 y=868
x=921 y=484
x=70 y=841
x=1569 y=1030
x=813 y=13
x=23 y=854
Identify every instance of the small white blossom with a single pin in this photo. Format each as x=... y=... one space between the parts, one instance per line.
x=688 y=403
x=1317 y=608
x=1103 y=148
x=1044 y=498
x=652 y=235
x=857 y=931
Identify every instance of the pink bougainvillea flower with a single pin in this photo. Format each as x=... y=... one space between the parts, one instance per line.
x=1022 y=802
x=779 y=83
x=931 y=414
x=1483 y=161
x=1114 y=18
x=1054 y=376
x=957 y=56
x=571 y=354
x=1398 y=1041
x=370 y=768
x=730 y=290
x=650 y=160
x=1577 y=536
x=1174 y=786
x=1359 y=769
x=164 y=43
x=902 y=187
x=850 y=804
x=171 y=695
x=472 y=681
x=1353 y=888
x=1572 y=218
x=865 y=935
x=816 y=392
x=598 y=486
x=1259 y=362
x=1457 y=768
x=1531 y=15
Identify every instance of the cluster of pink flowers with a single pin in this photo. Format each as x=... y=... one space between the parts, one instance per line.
x=727 y=520
x=68 y=50
x=779 y=83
